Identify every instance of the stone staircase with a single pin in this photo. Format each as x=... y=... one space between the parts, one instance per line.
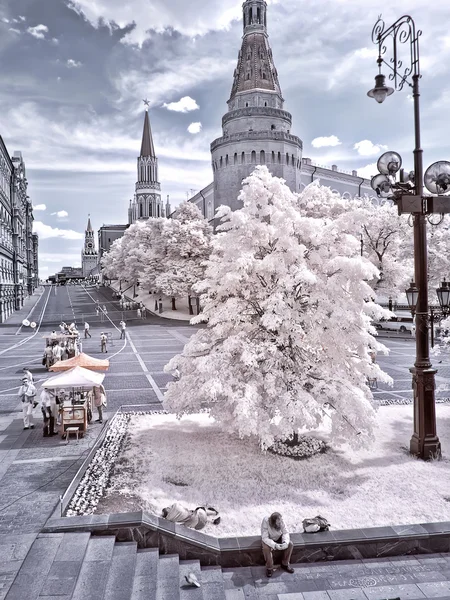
x=76 y=566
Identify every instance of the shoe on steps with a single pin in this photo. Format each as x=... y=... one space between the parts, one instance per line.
x=287 y=568
x=269 y=572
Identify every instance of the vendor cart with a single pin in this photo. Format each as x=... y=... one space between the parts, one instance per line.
x=72 y=390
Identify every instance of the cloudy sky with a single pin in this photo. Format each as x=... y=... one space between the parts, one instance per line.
x=74 y=72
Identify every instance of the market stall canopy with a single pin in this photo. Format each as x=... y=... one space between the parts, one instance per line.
x=82 y=360
x=75 y=378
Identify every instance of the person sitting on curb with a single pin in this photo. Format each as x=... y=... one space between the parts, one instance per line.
x=275 y=536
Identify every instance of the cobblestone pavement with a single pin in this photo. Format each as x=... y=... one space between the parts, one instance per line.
x=35 y=471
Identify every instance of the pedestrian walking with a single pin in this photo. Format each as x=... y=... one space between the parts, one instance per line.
x=97 y=310
x=103 y=340
x=99 y=394
x=27 y=374
x=105 y=311
x=275 y=536
x=123 y=327
x=139 y=313
x=86 y=330
x=49 y=412
x=27 y=394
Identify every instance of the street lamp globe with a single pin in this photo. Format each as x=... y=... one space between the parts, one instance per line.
x=412 y=295
x=381 y=90
x=389 y=163
x=437 y=178
x=443 y=294
x=382 y=186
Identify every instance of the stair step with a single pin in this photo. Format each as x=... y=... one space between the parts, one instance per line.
x=94 y=571
x=121 y=573
x=146 y=574
x=65 y=569
x=35 y=568
x=212 y=583
x=168 y=587
x=187 y=591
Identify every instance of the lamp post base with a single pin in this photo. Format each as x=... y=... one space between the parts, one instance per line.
x=424 y=443
x=427 y=449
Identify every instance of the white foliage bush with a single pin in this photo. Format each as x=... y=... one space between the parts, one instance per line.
x=288 y=315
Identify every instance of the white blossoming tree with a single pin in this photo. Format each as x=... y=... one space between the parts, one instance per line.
x=288 y=336
x=186 y=240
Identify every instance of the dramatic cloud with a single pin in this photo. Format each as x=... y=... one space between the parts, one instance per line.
x=39 y=207
x=45 y=231
x=73 y=64
x=61 y=214
x=38 y=32
x=368 y=171
x=186 y=104
x=367 y=148
x=195 y=128
x=191 y=19
x=322 y=142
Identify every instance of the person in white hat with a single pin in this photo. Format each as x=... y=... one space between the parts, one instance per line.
x=27 y=393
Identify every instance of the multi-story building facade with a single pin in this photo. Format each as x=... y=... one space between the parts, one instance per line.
x=18 y=245
x=257 y=129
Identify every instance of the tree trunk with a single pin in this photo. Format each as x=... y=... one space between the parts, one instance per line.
x=191 y=310
x=295 y=439
x=173 y=303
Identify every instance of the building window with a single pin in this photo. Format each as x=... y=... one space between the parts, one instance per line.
x=287 y=158
x=279 y=158
x=265 y=103
x=243 y=158
x=226 y=160
x=235 y=158
x=246 y=105
x=221 y=162
x=293 y=160
x=262 y=158
x=253 y=157
x=273 y=156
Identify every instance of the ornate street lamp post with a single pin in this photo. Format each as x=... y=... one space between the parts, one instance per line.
x=409 y=196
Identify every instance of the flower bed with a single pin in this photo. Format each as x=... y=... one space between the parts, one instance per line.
x=164 y=460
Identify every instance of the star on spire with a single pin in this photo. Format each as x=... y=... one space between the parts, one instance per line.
x=146 y=103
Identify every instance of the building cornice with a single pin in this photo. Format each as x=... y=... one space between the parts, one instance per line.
x=268 y=136
x=257 y=111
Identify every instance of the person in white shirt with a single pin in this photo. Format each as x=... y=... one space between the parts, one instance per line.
x=86 y=330
x=57 y=352
x=123 y=327
x=275 y=536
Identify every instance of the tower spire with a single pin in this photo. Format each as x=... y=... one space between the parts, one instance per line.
x=147 y=147
x=255 y=69
x=89 y=226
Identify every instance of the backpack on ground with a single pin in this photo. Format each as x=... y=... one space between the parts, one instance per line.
x=315 y=524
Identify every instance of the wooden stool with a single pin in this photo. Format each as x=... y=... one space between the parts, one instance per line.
x=70 y=430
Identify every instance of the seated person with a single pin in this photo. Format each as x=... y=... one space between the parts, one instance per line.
x=196 y=519
x=275 y=536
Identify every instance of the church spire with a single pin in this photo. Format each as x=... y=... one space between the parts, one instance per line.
x=255 y=69
x=147 y=147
